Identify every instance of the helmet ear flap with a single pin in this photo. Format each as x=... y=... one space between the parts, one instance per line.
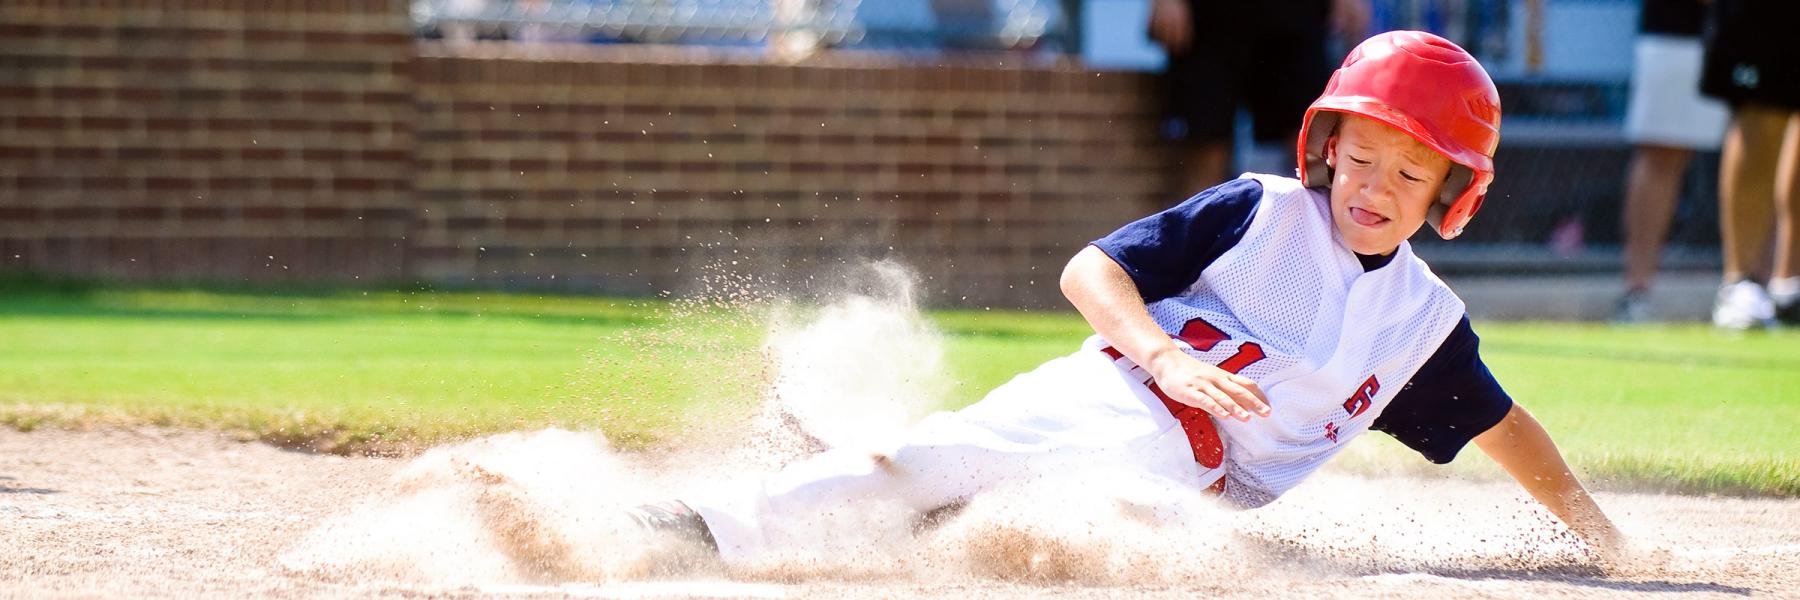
x=1316 y=135
x=1455 y=188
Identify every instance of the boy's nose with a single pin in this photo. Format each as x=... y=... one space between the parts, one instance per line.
x=1378 y=187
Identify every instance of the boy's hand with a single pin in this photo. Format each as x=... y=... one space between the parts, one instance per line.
x=1351 y=19
x=1170 y=25
x=1192 y=382
x=1519 y=444
x=1607 y=542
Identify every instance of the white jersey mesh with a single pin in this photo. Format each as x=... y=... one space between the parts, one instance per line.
x=1324 y=326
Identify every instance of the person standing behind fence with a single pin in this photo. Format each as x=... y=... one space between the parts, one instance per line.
x=1269 y=56
x=1750 y=65
x=1667 y=121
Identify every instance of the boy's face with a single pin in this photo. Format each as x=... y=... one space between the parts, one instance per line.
x=1382 y=183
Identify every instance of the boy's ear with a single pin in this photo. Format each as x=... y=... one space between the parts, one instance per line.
x=1331 y=151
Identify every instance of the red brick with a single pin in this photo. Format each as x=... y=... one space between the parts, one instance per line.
x=200 y=154
x=168 y=184
x=264 y=95
x=270 y=35
x=140 y=213
x=161 y=124
x=106 y=123
x=201 y=213
x=164 y=64
x=139 y=94
x=355 y=184
x=323 y=96
x=385 y=156
x=289 y=125
x=323 y=154
x=265 y=213
x=352 y=127
x=76 y=213
x=294 y=184
x=40 y=122
x=108 y=184
x=20 y=31
x=45 y=182
x=76 y=93
x=225 y=124
x=328 y=37
x=466 y=223
x=75 y=153
x=261 y=153
x=233 y=183
x=322 y=213
x=386 y=98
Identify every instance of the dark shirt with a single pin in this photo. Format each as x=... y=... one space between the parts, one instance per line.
x=1450 y=400
x=1672 y=17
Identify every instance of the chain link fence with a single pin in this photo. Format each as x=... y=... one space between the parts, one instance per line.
x=801 y=25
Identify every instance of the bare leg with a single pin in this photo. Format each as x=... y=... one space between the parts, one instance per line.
x=1787 y=202
x=1650 y=191
x=1747 y=189
x=1204 y=164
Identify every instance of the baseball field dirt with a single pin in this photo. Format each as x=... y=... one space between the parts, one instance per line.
x=151 y=512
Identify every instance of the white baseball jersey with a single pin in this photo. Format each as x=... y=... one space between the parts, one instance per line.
x=1290 y=307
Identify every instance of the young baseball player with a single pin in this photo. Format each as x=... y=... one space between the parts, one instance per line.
x=1243 y=337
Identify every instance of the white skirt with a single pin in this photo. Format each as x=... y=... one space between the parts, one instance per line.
x=1667 y=108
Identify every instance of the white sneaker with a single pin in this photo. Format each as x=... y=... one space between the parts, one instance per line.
x=1632 y=307
x=1743 y=305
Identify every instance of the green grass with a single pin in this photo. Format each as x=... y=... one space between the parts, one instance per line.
x=1668 y=407
x=1710 y=409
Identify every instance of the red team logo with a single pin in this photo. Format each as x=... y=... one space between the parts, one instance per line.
x=1358 y=404
x=1364 y=396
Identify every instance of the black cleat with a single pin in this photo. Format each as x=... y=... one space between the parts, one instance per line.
x=1788 y=314
x=675 y=519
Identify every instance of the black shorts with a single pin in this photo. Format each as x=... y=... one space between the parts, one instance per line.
x=1748 y=55
x=1238 y=59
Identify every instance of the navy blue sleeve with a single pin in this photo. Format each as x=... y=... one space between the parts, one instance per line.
x=1165 y=252
x=1452 y=399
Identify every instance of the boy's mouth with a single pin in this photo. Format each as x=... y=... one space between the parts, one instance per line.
x=1366 y=218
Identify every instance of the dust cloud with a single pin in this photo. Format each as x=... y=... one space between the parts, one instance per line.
x=546 y=508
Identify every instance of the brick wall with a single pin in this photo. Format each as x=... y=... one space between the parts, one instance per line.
x=635 y=170
x=315 y=141
x=206 y=139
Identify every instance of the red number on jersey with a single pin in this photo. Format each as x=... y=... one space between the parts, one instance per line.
x=1203 y=336
x=1364 y=396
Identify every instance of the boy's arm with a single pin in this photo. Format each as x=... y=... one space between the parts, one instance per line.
x=1522 y=447
x=1107 y=297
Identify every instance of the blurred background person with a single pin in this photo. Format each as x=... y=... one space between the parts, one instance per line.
x=1666 y=122
x=1268 y=56
x=1749 y=63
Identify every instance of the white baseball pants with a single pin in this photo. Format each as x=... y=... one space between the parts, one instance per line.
x=1077 y=411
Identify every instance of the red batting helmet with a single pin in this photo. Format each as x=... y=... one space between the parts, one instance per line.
x=1429 y=88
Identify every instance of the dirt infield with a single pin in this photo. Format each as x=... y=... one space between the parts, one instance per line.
x=165 y=513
